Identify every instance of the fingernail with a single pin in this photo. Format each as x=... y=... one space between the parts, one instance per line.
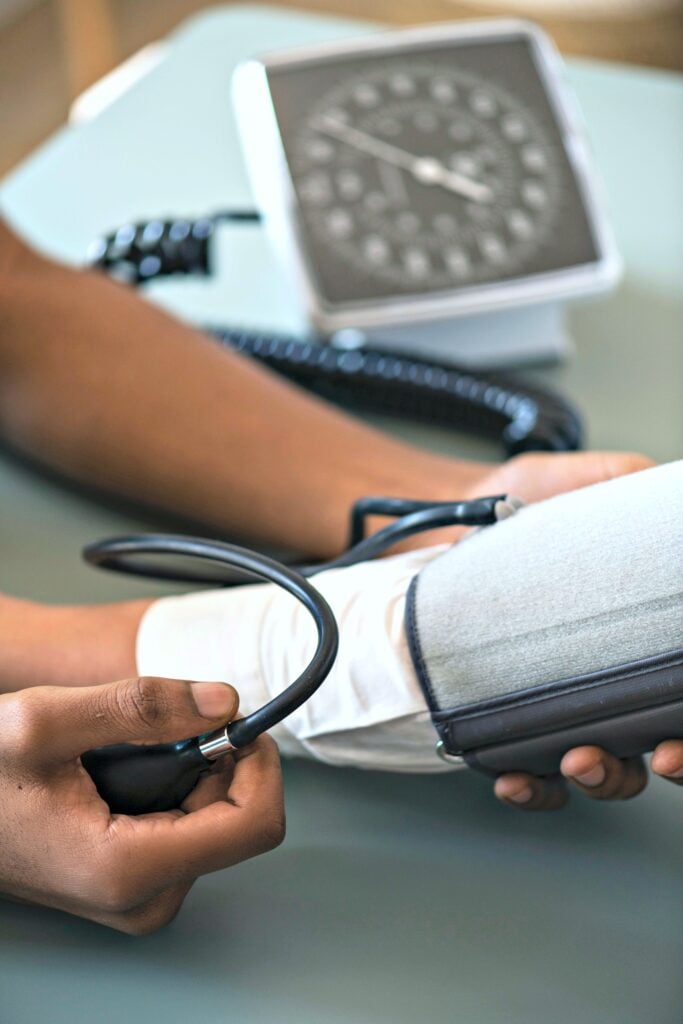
x=213 y=700
x=678 y=774
x=522 y=797
x=595 y=777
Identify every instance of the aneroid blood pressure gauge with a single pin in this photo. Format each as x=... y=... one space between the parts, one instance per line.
x=436 y=177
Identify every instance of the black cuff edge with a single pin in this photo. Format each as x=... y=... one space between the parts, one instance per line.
x=415 y=648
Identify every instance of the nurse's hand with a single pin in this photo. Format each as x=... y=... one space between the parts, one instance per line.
x=593 y=772
x=536 y=476
x=533 y=476
x=59 y=844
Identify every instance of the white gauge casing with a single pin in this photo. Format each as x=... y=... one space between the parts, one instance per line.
x=274 y=192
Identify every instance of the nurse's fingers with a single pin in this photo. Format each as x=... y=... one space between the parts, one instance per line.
x=143 y=858
x=151 y=915
x=535 y=476
x=602 y=776
x=246 y=821
x=529 y=793
x=667 y=761
x=210 y=788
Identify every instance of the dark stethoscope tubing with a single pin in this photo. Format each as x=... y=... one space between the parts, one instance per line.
x=120 y=554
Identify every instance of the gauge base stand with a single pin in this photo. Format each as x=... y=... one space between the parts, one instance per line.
x=510 y=337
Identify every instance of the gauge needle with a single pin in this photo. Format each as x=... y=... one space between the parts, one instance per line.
x=425 y=169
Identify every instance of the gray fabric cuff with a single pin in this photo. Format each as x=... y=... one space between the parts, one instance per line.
x=565 y=590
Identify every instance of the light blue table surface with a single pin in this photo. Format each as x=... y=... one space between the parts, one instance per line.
x=394 y=899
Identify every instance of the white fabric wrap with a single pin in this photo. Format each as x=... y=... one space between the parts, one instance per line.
x=579 y=583
x=370 y=712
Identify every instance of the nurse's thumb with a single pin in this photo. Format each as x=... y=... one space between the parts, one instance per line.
x=597 y=466
x=536 y=476
x=145 y=708
x=166 y=709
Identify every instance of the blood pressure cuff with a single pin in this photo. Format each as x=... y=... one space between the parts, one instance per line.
x=560 y=626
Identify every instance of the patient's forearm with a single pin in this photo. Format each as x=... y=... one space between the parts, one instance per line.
x=108 y=389
x=41 y=645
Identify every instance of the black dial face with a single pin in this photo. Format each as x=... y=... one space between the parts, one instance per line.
x=430 y=173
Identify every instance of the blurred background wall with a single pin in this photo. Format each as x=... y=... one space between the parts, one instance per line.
x=50 y=50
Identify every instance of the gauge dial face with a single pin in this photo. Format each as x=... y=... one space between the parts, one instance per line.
x=429 y=172
x=421 y=176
